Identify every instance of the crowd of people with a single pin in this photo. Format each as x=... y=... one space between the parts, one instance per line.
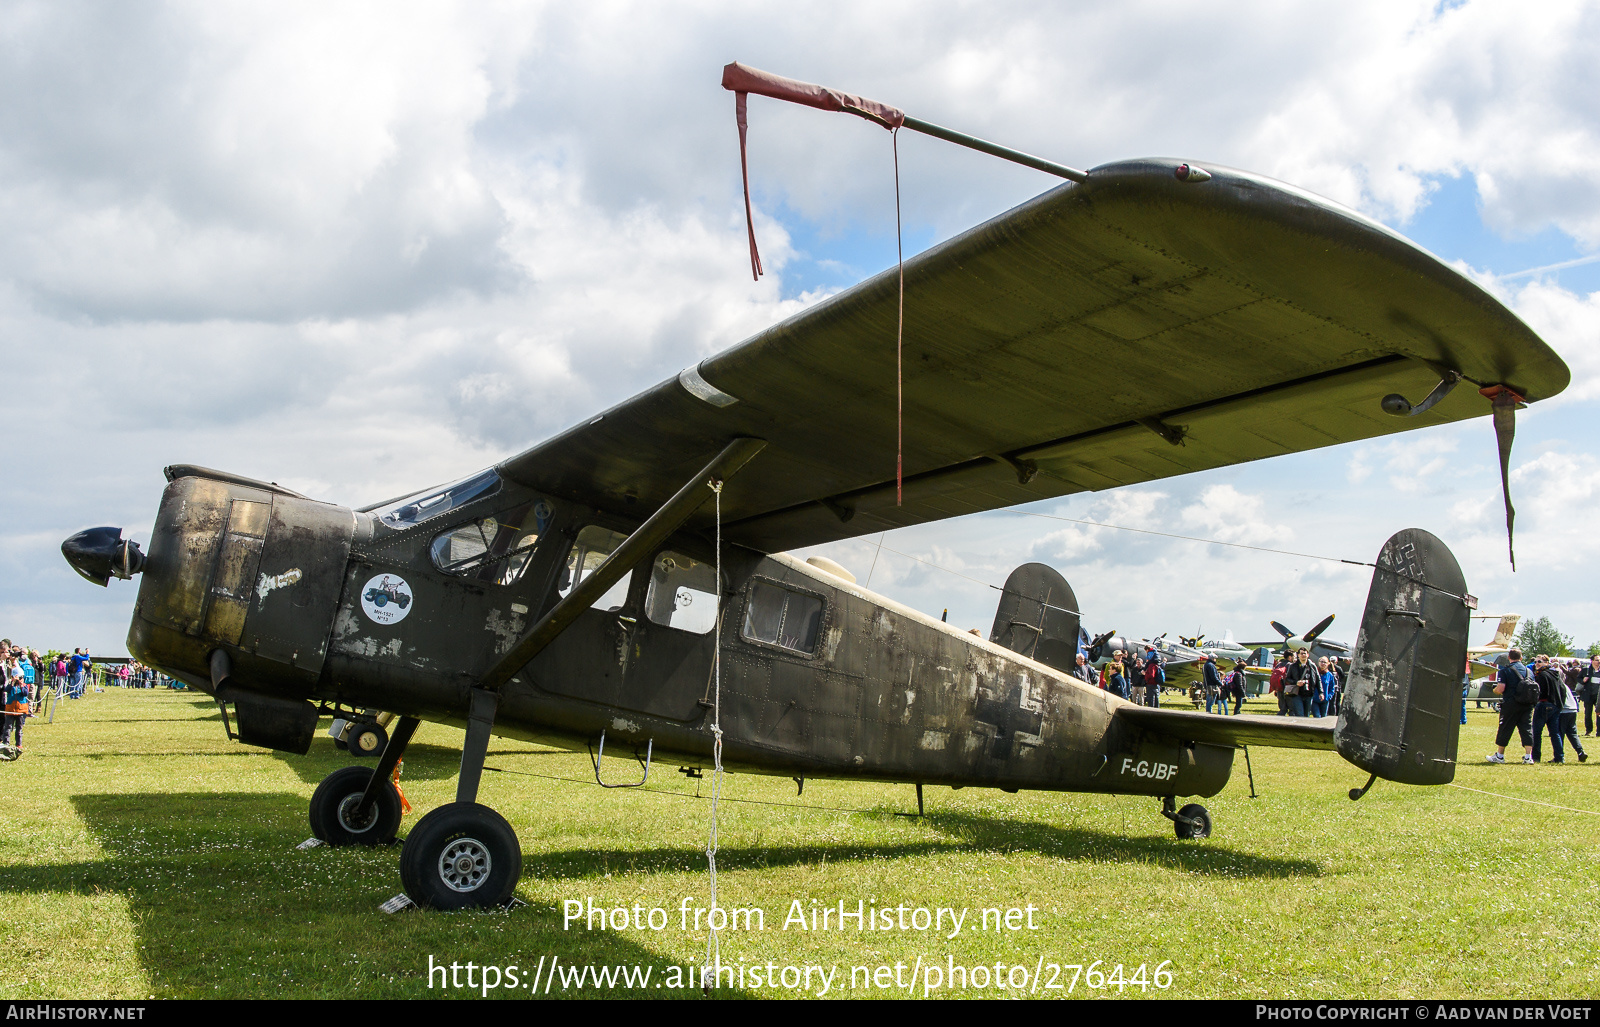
x=1544 y=700
x=27 y=677
x=1303 y=687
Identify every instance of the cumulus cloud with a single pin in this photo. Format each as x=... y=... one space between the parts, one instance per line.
x=356 y=248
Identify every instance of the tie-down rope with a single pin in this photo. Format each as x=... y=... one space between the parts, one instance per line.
x=713 y=960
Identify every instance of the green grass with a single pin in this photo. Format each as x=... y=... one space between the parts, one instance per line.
x=145 y=855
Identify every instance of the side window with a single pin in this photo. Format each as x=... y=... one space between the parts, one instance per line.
x=781 y=617
x=683 y=593
x=594 y=544
x=492 y=549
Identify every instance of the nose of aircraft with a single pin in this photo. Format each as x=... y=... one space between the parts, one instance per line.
x=101 y=553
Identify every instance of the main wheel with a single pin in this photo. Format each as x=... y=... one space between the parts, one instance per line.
x=333 y=807
x=1194 y=812
x=461 y=856
x=366 y=739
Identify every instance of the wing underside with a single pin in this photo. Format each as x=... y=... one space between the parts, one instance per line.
x=1126 y=329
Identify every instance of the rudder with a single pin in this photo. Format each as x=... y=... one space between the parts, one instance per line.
x=1038 y=617
x=1401 y=714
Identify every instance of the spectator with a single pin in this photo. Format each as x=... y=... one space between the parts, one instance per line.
x=1083 y=671
x=1280 y=667
x=1323 y=688
x=1298 y=681
x=15 y=696
x=1547 y=711
x=1589 y=690
x=75 y=672
x=1154 y=677
x=1568 y=725
x=1236 y=685
x=1116 y=681
x=1211 y=684
x=1518 y=692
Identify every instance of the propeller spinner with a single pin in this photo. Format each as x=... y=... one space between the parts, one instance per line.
x=102 y=553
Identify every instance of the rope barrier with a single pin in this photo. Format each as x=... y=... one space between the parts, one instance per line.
x=1531 y=802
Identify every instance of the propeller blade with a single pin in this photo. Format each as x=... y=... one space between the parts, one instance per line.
x=1280 y=629
x=1322 y=625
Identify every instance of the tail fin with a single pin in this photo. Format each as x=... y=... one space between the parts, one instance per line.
x=1504 y=633
x=1038 y=617
x=1401 y=717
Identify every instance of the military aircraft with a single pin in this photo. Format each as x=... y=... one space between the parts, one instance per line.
x=623 y=587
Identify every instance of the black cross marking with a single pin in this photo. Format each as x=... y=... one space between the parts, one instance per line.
x=1007 y=716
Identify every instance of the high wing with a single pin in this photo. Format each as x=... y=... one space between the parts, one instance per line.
x=1194 y=726
x=1120 y=330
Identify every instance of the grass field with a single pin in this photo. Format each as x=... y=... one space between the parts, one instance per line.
x=146 y=855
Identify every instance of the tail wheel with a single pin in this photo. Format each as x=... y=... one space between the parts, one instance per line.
x=366 y=739
x=333 y=809
x=461 y=856
x=1199 y=825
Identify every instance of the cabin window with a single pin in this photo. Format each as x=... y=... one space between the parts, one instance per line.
x=418 y=508
x=594 y=544
x=492 y=549
x=781 y=617
x=683 y=593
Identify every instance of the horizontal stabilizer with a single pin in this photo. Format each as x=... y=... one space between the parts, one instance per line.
x=1194 y=726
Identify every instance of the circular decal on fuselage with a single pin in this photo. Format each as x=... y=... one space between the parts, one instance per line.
x=386 y=599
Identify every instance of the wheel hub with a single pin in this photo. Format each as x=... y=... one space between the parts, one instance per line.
x=464 y=865
x=347 y=815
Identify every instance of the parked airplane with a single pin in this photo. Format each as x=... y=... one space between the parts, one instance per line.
x=623 y=586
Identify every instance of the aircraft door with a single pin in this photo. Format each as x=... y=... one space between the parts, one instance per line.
x=589 y=659
x=673 y=642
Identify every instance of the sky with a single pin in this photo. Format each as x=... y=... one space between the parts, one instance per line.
x=362 y=248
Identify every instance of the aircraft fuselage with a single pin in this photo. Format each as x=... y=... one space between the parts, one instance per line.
x=318 y=604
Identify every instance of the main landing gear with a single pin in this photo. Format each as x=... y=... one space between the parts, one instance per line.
x=461 y=855
x=1190 y=822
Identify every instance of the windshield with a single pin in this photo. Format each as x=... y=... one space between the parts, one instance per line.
x=423 y=505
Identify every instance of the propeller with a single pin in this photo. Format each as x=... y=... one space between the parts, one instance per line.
x=1280 y=629
x=1322 y=625
x=1098 y=643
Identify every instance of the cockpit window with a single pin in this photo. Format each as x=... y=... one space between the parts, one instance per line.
x=492 y=549
x=418 y=508
x=594 y=544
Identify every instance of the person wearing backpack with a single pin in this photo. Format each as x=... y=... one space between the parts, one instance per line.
x=1518 y=693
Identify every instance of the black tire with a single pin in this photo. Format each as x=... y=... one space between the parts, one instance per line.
x=461 y=856
x=337 y=796
x=366 y=739
x=1195 y=812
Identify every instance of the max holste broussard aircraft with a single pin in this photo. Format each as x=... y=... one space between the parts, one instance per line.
x=1149 y=318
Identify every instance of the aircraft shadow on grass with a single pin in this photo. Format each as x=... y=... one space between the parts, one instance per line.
x=964 y=832
x=219 y=895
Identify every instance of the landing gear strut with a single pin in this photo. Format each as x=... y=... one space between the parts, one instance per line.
x=357 y=806
x=1190 y=822
x=463 y=855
